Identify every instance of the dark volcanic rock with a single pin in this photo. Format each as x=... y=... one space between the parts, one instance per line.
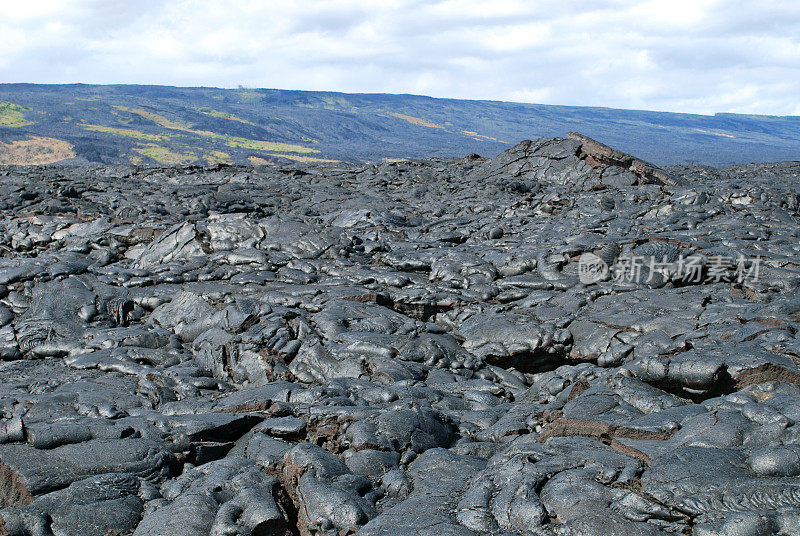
x=561 y=340
x=29 y=471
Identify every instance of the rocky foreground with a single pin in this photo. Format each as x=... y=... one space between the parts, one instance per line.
x=561 y=340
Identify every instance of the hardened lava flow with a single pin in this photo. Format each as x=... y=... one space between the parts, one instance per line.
x=562 y=340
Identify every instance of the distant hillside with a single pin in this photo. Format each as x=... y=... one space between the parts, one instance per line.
x=151 y=125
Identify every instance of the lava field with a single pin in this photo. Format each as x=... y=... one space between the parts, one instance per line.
x=562 y=340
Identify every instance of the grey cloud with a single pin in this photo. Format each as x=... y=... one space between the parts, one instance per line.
x=733 y=56
x=107 y=16
x=329 y=21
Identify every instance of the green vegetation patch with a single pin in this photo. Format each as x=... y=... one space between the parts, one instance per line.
x=165 y=156
x=258 y=145
x=130 y=133
x=249 y=95
x=414 y=120
x=297 y=158
x=329 y=102
x=224 y=115
x=232 y=141
x=336 y=102
x=11 y=115
x=156 y=118
x=217 y=157
x=122 y=119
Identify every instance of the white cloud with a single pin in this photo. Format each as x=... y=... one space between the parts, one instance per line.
x=683 y=55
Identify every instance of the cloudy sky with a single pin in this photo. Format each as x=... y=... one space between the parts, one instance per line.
x=700 y=56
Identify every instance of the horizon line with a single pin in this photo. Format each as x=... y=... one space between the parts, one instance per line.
x=485 y=100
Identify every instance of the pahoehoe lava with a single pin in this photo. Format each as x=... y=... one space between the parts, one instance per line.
x=406 y=348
